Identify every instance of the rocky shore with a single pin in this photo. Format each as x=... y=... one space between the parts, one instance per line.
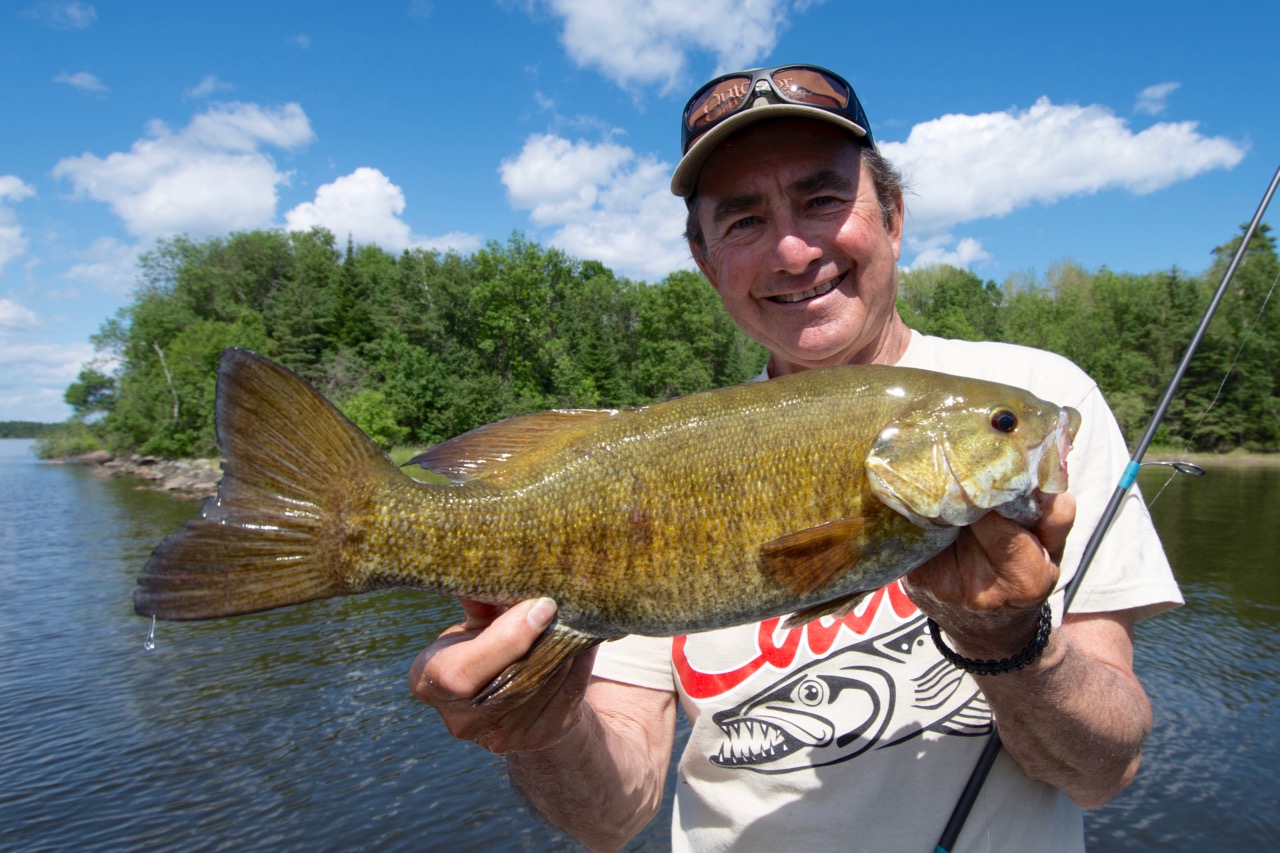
x=183 y=478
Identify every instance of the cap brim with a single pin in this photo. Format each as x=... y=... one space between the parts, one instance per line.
x=685 y=178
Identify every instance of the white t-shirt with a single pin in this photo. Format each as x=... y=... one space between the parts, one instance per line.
x=855 y=734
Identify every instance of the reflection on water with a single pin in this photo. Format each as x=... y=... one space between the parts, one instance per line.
x=1212 y=670
x=294 y=729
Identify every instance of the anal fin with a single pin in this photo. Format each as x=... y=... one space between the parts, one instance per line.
x=557 y=644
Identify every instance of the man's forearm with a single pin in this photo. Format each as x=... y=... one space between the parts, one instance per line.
x=1075 y=720
x=602 y=782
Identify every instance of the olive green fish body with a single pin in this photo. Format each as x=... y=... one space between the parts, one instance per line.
x=797 y=494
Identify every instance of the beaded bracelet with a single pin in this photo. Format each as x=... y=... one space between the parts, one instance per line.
x=1027 y=656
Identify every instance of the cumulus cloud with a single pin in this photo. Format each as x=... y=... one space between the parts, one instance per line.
x=366 y=206
x=109 y=265
x=207 y=178
x=35 y=375
x=82 y=80
x=938 y=249
x=62 y=16
x=13 y=316
x=12 y=241
x=968 y=167
x=1153 y=99
x=646 y=43
x=603 y=201
x=209 y=85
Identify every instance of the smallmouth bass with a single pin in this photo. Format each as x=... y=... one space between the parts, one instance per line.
x=797 y=495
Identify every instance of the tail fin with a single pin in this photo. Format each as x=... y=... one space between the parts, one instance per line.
x=268 y=539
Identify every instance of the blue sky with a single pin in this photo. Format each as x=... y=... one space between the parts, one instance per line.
x=1132 y=135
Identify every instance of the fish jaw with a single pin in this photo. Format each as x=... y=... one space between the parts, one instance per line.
x=936 y=475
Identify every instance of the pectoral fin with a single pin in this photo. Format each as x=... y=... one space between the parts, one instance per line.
x=556 y=645
x=837 y=607
x=805 y=560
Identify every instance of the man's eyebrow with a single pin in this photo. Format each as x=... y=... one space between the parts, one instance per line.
x=827 y=179
x=734 y=205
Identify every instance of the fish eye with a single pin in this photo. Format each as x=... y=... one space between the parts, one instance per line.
x=1004 y=420
x=811 y=692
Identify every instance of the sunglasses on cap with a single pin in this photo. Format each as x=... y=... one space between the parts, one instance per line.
x=806 y=85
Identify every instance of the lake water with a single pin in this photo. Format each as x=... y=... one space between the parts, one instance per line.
x=294 y=730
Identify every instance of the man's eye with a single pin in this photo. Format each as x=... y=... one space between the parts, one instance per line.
x=824 y=200
x=744 y=222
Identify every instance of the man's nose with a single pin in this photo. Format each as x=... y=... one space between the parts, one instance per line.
x=794 y=251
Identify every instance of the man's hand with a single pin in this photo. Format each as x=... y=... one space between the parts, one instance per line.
x=986 y=590
x=465 y=658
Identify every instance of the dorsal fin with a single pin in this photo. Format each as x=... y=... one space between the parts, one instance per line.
x=488 y=449
x=805 y=560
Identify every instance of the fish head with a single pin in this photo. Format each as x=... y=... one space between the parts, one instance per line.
x=977 y=447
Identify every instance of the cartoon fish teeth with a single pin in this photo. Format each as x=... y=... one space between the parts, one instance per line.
x=752 y=741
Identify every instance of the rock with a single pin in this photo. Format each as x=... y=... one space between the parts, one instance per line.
x=95 y=457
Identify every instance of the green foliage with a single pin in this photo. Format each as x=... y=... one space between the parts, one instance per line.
x=422 y=347
x=416 y=348
x=26 y=429
x=66 y=440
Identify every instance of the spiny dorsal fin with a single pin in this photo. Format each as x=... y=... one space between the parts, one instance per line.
x=838 y=608
x=805 y=560
x=486 y=450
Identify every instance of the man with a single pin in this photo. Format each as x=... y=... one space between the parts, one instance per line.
x=854 y=733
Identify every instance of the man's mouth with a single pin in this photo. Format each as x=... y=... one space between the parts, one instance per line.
x=825 y=287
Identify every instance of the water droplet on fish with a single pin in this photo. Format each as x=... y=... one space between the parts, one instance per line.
x=150 y=642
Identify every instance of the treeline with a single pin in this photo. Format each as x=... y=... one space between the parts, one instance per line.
x=1130 y=331
x=26 y=429
x=421 y=347
x=414 y=349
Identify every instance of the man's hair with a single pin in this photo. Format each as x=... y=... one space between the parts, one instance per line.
x=885 y=177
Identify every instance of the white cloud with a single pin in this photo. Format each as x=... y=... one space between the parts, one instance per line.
x=109 y=265
x=206 y=87
x=35 y=375
x=605 y=202
x=646 y=43
x=366 y=206
x=82 y=80
x=12 y=241
x=302 y=40
x=968 y=167
x=62 y=16
x=207 y=178
x=1153 y=99
x=945 y=249
x=13 y=316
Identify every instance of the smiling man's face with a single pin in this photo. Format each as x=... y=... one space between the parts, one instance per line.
x=797 y=247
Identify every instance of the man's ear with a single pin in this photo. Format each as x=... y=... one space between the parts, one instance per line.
x=895 y=229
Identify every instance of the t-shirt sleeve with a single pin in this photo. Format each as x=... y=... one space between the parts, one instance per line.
x=642 y=661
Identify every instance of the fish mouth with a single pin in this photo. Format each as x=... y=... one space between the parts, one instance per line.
x=817 y=290
x=750 y=742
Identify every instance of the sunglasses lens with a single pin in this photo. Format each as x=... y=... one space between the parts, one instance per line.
x=810 y=86
x=715 y=102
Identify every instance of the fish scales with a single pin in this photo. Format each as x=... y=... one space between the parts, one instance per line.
x=704 y=511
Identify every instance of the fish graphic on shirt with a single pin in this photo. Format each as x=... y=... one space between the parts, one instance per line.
x=873 y=693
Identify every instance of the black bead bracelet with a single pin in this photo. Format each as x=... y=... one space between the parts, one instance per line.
x=1023 y=658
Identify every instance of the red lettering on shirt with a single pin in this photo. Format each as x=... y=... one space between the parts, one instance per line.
x=778 y=650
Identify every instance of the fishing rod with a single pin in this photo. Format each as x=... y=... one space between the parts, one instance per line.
x=971 y=789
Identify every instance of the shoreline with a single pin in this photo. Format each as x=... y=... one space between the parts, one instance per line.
x=197 y=479
x=186 y=479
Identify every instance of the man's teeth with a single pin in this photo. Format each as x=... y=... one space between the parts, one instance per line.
x=808 y=294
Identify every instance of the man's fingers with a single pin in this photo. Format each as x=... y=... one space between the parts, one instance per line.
x=463 y=661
